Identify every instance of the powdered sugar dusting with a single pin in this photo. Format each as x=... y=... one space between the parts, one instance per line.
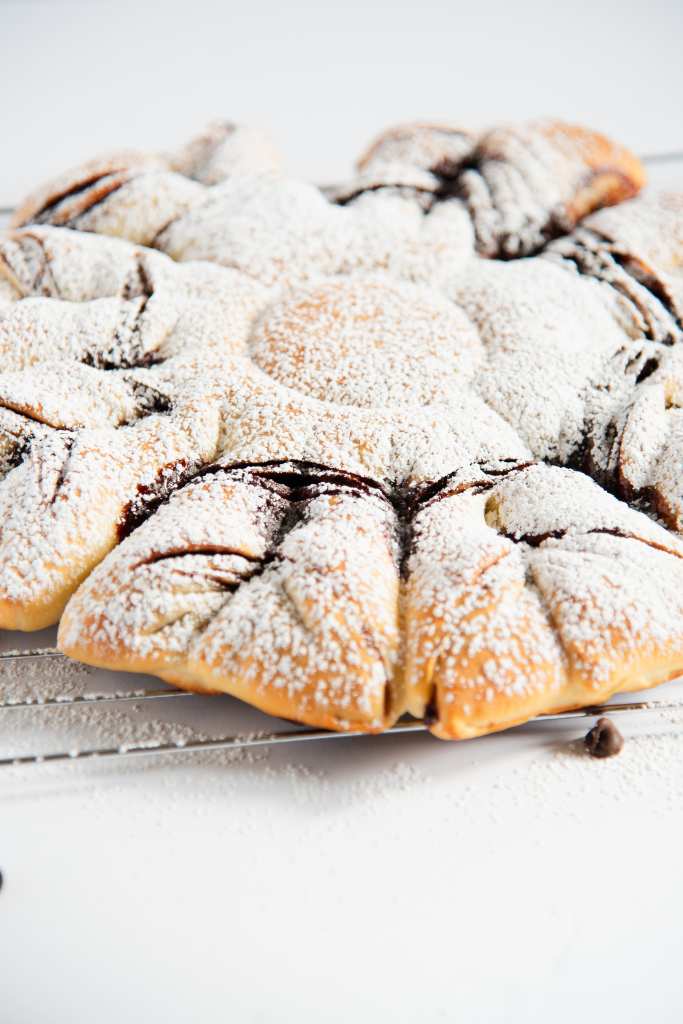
x=369 y=341
x=100 y=398
x=366 y=528
x=520 y=184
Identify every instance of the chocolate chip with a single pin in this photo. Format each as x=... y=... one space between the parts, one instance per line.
x=604 y=739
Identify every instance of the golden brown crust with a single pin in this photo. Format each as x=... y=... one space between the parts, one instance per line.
x=513 y=611
x=282 y=596
x=614 y=173
x=507 y=609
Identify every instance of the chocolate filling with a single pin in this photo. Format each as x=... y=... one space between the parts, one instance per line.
x=257 y=565
x=75 y=190
x=149 y=400
x=431 y=711
x=424 y=195
x=649 y=281
x=440 y=489
x=15 y=456
x=297 y=475
x=108 y=182
x=535 y=540
x=112 y=360
x=594 y=256
x=647 y=369
x=301 y=482
x=126 y=351
x=211 y=549
x=43 y=281
x=149 y=497
x=138 y=283
x=61 y=477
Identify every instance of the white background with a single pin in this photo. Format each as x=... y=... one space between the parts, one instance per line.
x=78 y=78
x=382 y=879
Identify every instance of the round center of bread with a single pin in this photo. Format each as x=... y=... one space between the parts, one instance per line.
x=368 y=342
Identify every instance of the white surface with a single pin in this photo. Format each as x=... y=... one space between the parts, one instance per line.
x=386 y=878
x=367 y=879
x=383 y=879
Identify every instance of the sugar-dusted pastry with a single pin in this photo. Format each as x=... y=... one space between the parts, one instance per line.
x=101 y=406
x=521 y=184
x=632 y=436
x=327 y=458
x=307 y=502
x=423 y=196
x=374 y=539
x=112 y=305
x=243 y=214
x=329 y=598
x=281 y=593
x=168 y=180
x=535 y=591
x=573 y=336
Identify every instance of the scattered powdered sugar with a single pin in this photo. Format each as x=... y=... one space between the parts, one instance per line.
x=84 y=726
x=552 y=781
x=646 y=770
x=32 y=679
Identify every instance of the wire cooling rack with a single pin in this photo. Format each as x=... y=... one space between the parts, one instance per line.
x=151 y=748
x=139 y=697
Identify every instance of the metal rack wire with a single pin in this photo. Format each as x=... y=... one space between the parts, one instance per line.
x=239 y=742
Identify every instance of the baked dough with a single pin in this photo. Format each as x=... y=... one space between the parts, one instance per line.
x=522 y=185
x=378 y=498
x=277 y=229
x=102 y=404
x=323 y=597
